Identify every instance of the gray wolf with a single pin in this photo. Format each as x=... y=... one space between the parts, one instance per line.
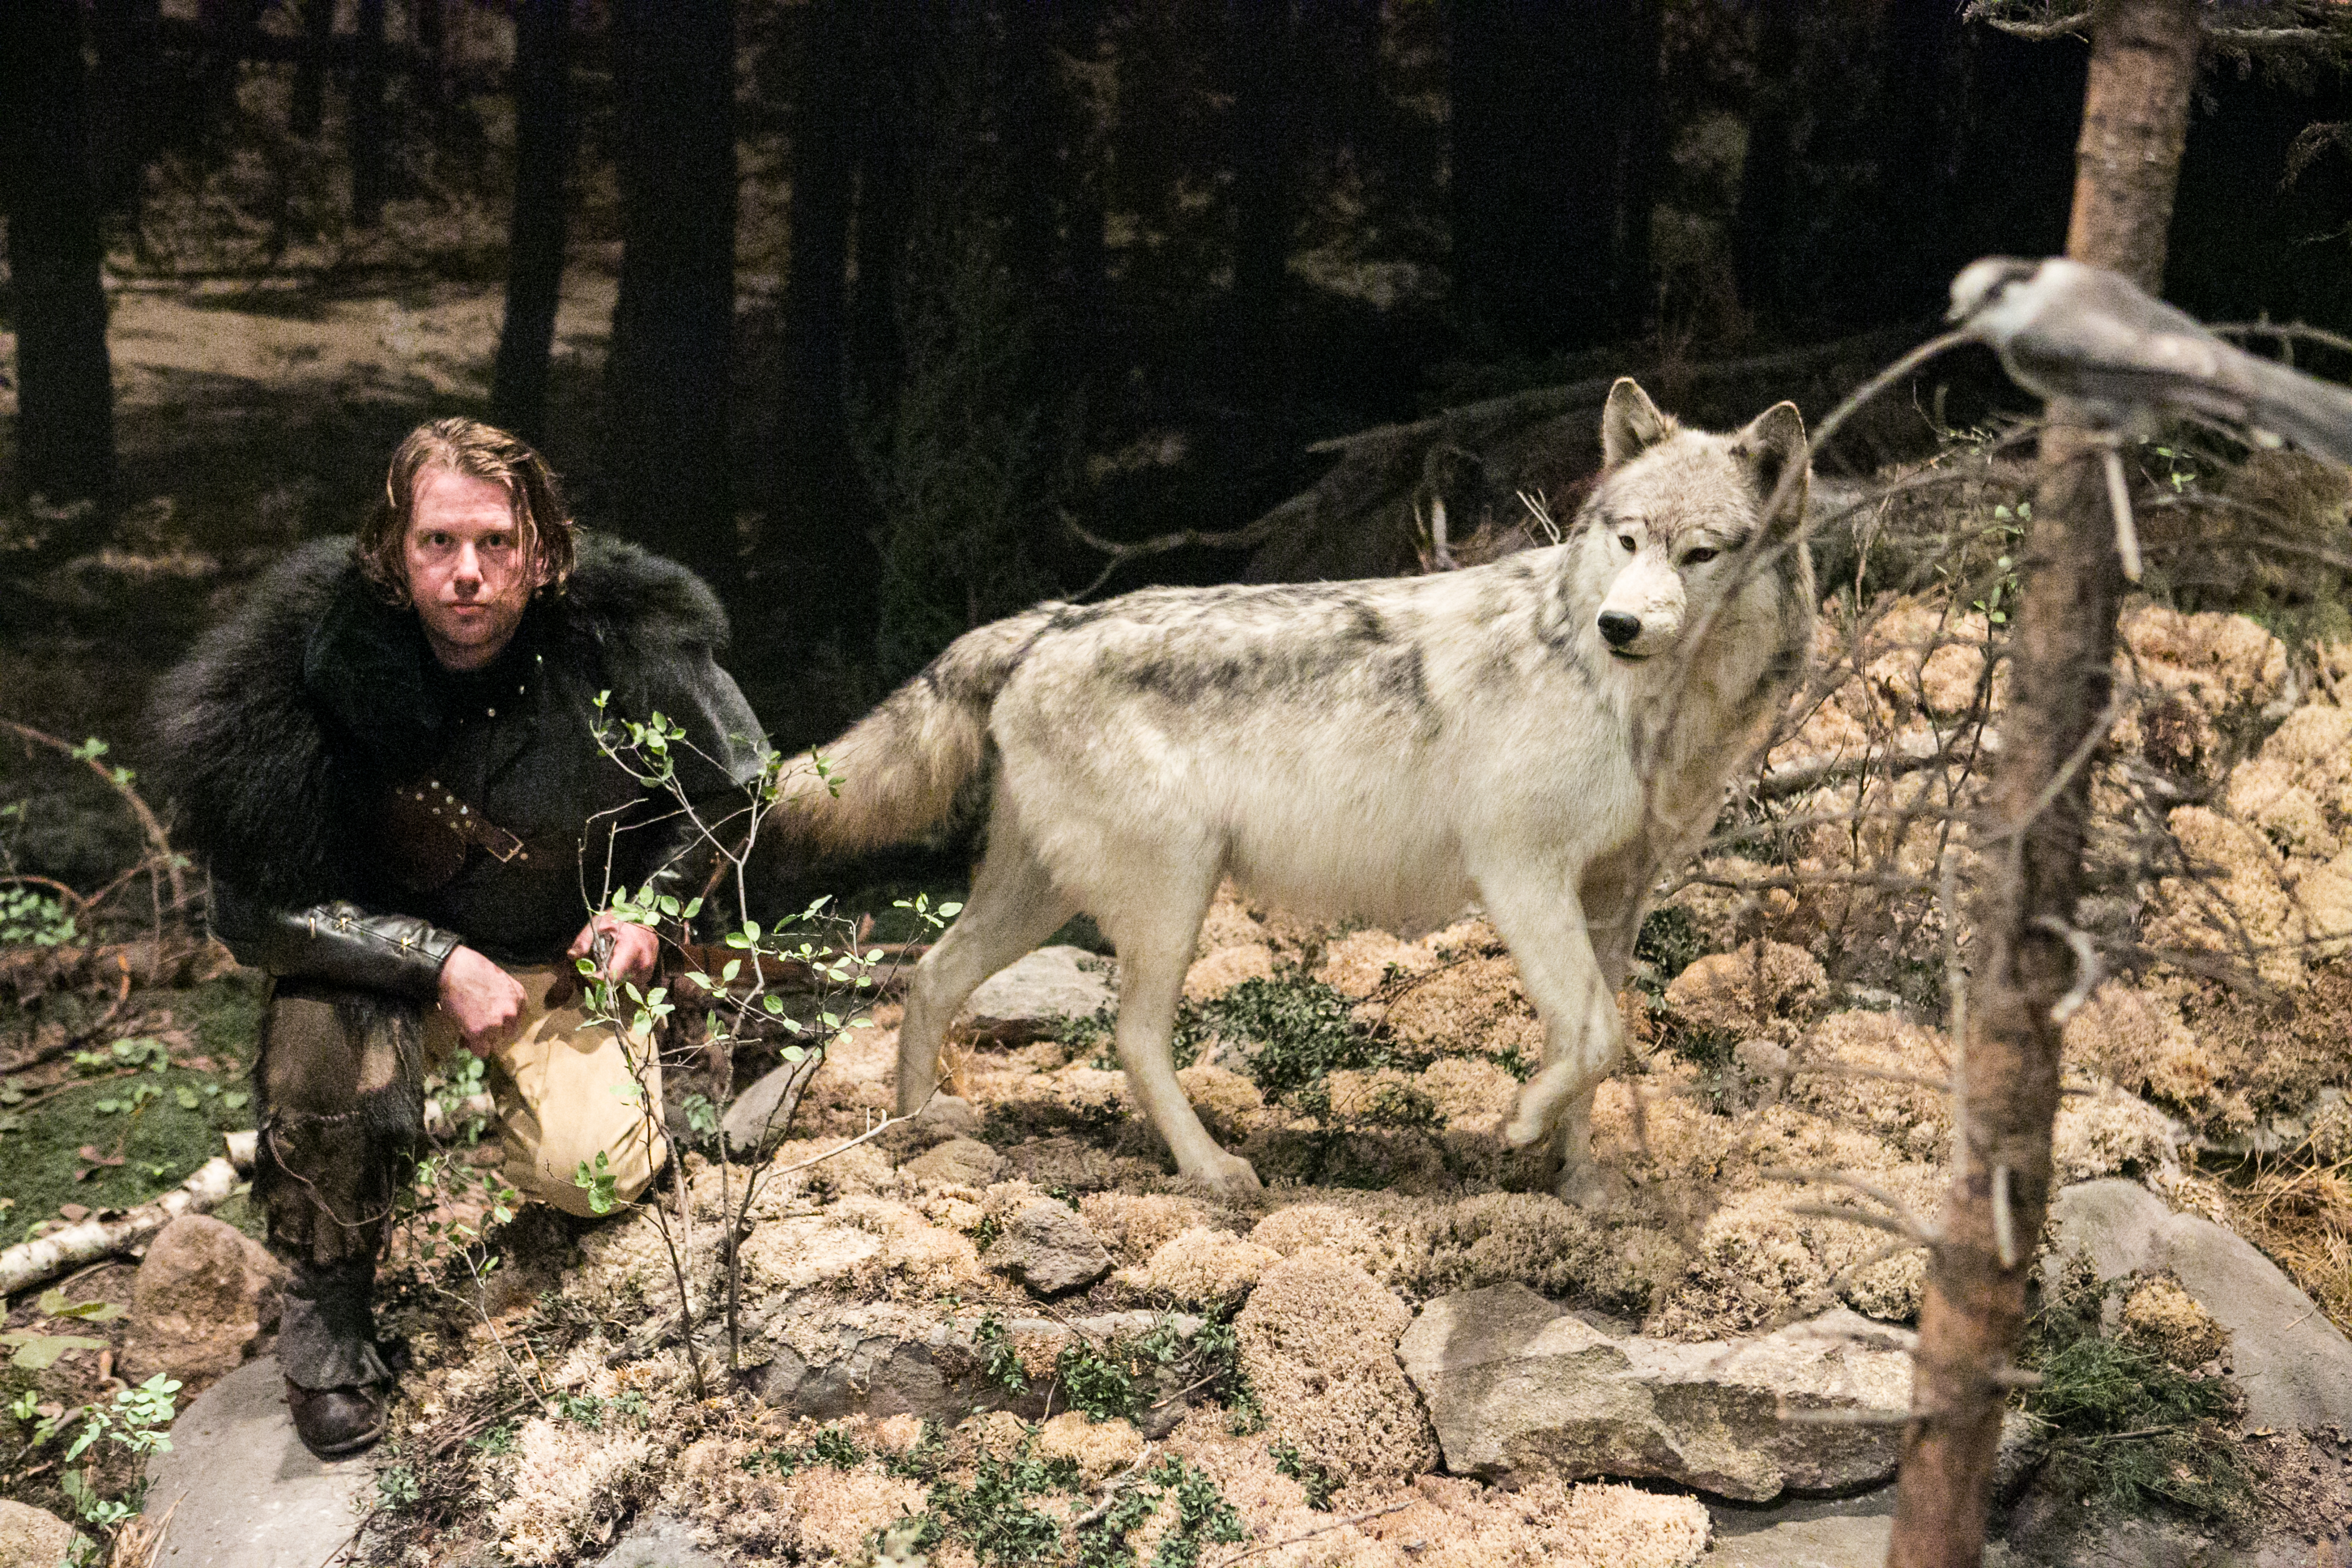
x=318 y=744
x=1543 y=735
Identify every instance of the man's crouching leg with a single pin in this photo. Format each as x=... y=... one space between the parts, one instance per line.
x=579 y=1103
x=341 y=1081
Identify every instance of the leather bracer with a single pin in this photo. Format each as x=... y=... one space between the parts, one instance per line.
x=337 y=942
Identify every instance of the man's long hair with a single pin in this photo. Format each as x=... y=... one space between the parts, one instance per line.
x=544 y=529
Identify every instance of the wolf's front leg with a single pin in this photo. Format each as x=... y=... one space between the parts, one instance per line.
x=1013 y=906
x=1543 y=921
x=1151 y=964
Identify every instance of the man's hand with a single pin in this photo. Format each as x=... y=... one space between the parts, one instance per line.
x=635 y=948
x=485 y=1001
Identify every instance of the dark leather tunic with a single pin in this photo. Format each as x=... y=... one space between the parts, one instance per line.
x=517 y=742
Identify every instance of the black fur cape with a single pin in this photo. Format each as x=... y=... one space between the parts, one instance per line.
x=289 y=718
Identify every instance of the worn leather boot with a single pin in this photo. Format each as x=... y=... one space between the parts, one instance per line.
x=335 y=1422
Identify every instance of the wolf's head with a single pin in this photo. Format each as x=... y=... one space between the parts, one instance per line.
x=1666 y=531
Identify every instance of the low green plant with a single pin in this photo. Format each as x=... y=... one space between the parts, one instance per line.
x=831 y=1446
x=1320 y=1483
x=134 y=1423
x=1100 y=1383
x=1203 y=1517
x=1000 y=1364
x=2126 y=1429
x=30 y=918
x=992 y=1515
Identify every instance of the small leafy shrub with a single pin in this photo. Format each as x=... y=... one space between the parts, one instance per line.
x=1669 y=940
x=1320 y=1483
x=993 y=1515
x=1100 y=1383
x=831 y=1446
x=1000 y=1364
x=2128 y=1430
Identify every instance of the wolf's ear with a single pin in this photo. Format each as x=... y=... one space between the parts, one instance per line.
x=1630 y=423
x=1773 y=442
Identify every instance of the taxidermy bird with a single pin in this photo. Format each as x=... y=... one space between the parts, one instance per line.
x=2065 y=330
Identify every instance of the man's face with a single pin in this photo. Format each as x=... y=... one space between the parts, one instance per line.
x=467 y=570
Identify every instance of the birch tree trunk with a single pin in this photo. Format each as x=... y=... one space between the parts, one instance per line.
x=2134 y=124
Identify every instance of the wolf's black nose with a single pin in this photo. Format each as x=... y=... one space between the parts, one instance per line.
x=1619 y=628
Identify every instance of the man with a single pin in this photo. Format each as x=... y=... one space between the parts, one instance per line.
x=389 y=757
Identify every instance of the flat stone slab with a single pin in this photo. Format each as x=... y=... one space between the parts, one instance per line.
x=2294 y=1365
x=1027 y=1001
x=657 y=1539
x=246 y=1489
x=1834 y=1532
x=1517 y=1384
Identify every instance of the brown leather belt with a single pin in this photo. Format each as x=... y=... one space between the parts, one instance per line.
x=429 y=830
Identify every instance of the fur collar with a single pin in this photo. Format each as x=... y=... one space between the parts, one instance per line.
x=277 y=730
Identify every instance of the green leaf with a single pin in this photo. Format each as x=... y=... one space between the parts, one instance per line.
x=187 y=1098
x=53 y=1304
x=235 y=1099
x=37 y=1352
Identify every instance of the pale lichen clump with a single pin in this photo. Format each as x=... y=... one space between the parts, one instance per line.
x=2162 y=1318
x=1097 y=1448
x=1201 y=1268
x=1762 y=990
x=1319 y=1343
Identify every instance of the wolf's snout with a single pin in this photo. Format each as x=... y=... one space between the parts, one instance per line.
x=1619 y=628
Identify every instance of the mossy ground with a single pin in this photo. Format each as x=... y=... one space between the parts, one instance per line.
x=161 y=1107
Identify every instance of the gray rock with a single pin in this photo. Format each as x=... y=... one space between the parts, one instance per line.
x=1518 y=1385
x=204 y=1294
x=30 y=1538
x=245 y=1488
x=958 y=1163
x=1049 y=1248
x=880 y=1359
x=747 y=1121
x=657 y=1539
x=2295 y=1365
x=1811 y=1532
x=1026 y=1002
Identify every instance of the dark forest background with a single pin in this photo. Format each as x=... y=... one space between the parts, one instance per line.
x=904 y=290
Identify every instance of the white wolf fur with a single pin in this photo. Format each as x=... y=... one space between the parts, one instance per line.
x=1389 y=750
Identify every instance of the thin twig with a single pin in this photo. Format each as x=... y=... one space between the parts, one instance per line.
x=1324 y=1530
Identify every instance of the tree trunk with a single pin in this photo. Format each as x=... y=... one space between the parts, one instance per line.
x=309 y=114
x=666 y=441
x=848 y=154
x=542 y=82
x=371 y=169
x=432 y=40
x=65 y=390
x=2135 y=123
x=1768 y=174
x=1554 y=111
x=127 y=86
x=1262 y=133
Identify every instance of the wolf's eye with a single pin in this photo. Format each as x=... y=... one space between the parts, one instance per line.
x=1626 y=539
x=1700 y=557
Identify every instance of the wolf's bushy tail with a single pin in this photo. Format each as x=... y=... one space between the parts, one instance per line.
x=898 y=772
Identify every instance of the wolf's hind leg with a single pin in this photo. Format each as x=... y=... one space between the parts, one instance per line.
x=1013 y=906
x=1155 y=949
x=1543 y=922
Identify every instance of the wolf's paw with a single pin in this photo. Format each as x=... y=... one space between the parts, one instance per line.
x=1233 y=1176
x=1587 y=1186
x=1537 y=1110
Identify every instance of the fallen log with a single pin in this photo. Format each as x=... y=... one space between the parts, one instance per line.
x=43 y=1258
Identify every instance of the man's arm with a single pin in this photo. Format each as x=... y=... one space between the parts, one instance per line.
x=336 y=942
